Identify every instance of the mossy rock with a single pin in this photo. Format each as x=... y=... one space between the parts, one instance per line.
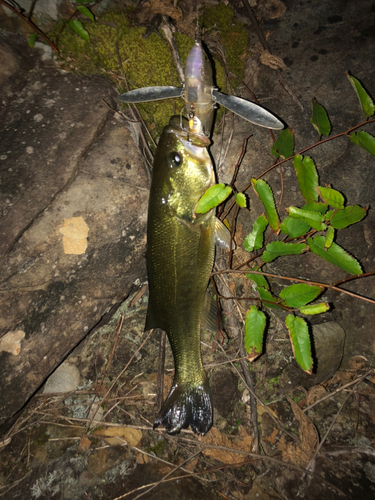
x=146 y=61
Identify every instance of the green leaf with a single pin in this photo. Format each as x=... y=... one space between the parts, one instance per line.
x=266 y=296
x=331 y=197
x=300 y=295
x=86 y=12
x=255 y=324
x=266 y=196
x=258 y=279
x=79 y=29
x=335 y=255
x=300 y=339
x=294 y=227
x=328 y=240
x=279 y=248
x=32 y=39
x=347 y=216
x=364 y=140
x=313 y=219
x=307 y=177
x=315 y=308
x=84 y=1
x=214 y=195
x=241 y=200
x=320 y=119
x=365 y=100
x=254 y=240
x=316 y=207
x=284 y=145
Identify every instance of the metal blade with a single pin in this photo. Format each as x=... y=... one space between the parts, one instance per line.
x=147 y=94
x=248 y=110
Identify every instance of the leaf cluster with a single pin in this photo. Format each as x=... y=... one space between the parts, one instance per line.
x=310 y=228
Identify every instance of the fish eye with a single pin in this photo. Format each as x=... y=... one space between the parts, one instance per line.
x=175 y=159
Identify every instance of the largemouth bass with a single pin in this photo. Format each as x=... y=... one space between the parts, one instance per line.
x=180 y=255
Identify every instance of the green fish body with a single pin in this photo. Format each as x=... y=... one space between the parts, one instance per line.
x=180 y=255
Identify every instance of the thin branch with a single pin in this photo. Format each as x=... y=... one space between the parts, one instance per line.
x=122 y=371
x=30 y=23
x=299 y=280
x=118 y=330
x=332 y=394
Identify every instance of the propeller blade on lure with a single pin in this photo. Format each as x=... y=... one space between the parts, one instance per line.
x=201 y=96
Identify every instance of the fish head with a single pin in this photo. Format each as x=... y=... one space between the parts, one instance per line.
x=183 y=170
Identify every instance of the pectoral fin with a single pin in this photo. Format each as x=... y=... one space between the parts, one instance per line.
x=222 y=235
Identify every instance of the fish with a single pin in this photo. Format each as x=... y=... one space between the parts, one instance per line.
x=201 y=97
x=180 y=256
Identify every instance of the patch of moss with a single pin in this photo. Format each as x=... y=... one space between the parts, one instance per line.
x=232 y=35
x=145 y=61
x=158 y=449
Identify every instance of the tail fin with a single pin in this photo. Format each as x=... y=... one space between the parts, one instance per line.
x=187 y=405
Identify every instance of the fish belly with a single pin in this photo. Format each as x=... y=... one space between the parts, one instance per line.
x=179 y=262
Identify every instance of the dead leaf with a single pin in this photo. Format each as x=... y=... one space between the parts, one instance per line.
x=272 y=437
x=315 y=393
x=341 y=378
x=271 y=9
x=140 y=458
x=261 y=409
x=117 y=435
x=84 y=444
x=357 y=362
x=217 y=438
x=271 y=60
x=150 y=8
x=300 y=454
x=192 y=464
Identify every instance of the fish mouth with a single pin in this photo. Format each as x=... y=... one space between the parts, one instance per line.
x=179 y=126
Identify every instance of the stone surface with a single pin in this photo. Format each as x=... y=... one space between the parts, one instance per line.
x=328 y=349
x=63 y=156
x=64 y=379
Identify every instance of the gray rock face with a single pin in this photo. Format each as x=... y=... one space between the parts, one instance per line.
x=74 y=196
x=328 y=347
x=64 y=379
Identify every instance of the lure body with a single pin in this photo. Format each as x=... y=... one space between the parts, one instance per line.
x=201 y=96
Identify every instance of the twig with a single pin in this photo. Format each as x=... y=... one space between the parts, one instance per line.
x=118 y=330
x=120 y=374
x=147 y=149
x=332 y=394
x=263 y=458
x=311 y=464
x=299 y=280
x=29 y=22
x=167 y=475
x=167 y=28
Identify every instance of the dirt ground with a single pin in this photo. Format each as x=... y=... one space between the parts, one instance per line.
x=79 y=382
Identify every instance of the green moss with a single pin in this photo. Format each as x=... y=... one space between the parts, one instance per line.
x=145 y=61
x=158 y=449
x=232 y=35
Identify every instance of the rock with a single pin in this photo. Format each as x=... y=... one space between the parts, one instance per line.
x=224 y=387
x=64 y=379
x=63 y=157
x=328 y=348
